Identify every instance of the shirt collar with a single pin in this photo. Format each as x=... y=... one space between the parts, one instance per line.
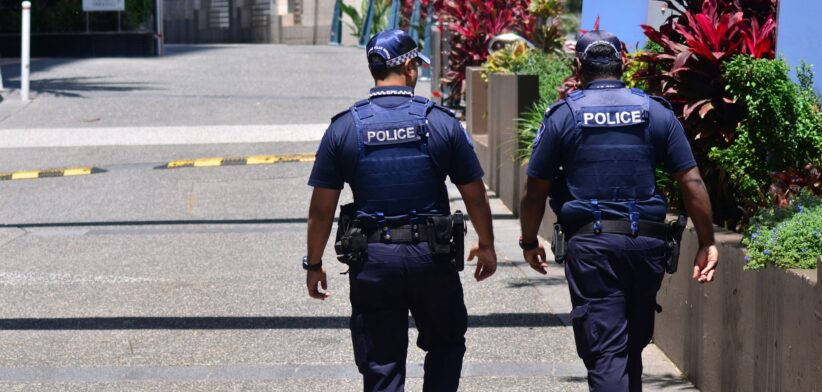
x=602 y=84
x=385 y=91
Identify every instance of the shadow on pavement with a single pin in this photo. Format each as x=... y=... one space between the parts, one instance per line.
x=667 y=382
x=540 y=281
x=75 y=86
x=281 y=322
x=10 y=67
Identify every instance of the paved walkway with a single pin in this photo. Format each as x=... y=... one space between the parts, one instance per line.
x=217 y=306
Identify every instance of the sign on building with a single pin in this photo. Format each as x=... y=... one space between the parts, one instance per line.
x=104 y=5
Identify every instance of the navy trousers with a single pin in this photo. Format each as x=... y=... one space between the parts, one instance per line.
x=397 y=278
x=613 y=280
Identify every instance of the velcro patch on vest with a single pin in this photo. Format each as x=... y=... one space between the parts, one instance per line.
x=388 y=135
x=613 y=116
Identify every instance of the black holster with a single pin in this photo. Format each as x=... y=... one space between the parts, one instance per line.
x=350 y=244
x=675 y=230
x=448 y=238
x=559 y=244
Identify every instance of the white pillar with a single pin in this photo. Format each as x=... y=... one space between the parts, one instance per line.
x=25 y=54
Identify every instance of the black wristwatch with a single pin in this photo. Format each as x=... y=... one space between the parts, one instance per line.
x=528 y=245
x=312 y=267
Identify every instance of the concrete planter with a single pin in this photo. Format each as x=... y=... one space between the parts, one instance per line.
x=509 y=96
x=476 y=101
x=746 y=331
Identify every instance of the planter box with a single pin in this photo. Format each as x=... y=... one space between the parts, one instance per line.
x=82 y=45
x=746 y=331
x=483 y=152
x=476 y=101
x=509 y=96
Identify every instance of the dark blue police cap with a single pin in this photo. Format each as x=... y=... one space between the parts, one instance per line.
x=599 y=38
x=391 y=48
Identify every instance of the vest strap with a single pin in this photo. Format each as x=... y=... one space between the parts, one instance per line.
x=419 y=106
x=633 y=215
x=597 y=216
x=362 y=109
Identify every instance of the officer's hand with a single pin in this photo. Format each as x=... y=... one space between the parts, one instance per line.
x=536 y=259
x=312 y=279
x=486 y=261
x=705 y=264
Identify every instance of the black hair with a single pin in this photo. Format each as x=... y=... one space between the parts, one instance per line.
x=592 y=71
x=381 y=72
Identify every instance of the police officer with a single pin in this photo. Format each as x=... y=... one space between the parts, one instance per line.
x=596 y=155
x=395 y=151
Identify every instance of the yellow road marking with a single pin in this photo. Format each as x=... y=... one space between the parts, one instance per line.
x=208 y=162
x=33 y=174
x=25 y=175
x=252 y=160
x=80 y=171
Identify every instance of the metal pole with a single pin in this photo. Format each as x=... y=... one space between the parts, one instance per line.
x=426 y=47
x=336 y=25
x=158 y=32
x=368 y=21
x=25 y=53
x=1 y=79
x=394 y=15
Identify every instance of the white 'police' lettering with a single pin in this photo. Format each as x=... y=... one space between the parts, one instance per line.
x=612 y=118
x=392 y=135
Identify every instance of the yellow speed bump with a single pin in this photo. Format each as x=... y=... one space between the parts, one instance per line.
x=251 y=160
x=32 y=174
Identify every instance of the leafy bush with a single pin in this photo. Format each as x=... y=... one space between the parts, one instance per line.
x=552 y=70
x=473 y=24
x=379 y=21
x=790 y=183
x=788 y=237
x=548 y=34
x=781 y=128
x=695 y=46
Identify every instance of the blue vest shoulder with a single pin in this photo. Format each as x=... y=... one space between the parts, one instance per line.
x=444 y=110
x=340 y=114
x=553 y=108
x=663 y=101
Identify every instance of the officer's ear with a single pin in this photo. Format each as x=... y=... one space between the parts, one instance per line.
x=411 y=67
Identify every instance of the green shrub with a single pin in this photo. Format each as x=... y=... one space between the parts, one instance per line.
x=788 y=237
x=781 y=129
x=552 y=71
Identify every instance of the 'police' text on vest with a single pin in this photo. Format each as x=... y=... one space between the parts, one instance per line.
x=391 y=136
x=612 y=118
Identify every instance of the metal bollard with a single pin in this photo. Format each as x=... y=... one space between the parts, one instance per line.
x=25 y=53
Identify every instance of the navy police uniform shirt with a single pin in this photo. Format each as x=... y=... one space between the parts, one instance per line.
x=448 y=144
x=559 y=135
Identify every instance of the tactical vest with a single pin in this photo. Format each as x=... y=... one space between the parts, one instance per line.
x=395 y=174
x=620 y=170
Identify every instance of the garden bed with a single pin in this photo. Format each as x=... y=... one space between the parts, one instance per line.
x=746 y=331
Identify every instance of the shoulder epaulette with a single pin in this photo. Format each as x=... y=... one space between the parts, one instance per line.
x=445 y=110
x=340 y=114
x=576 y=95
x=637 y=91
x=551 y=109
x=663 y=101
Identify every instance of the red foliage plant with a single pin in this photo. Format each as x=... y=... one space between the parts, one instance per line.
x=473 y=23
x=790 y=183
x=694 y=47
x=688 y=72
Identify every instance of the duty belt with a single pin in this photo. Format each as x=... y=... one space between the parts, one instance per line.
x=400 y=235
x=652 y=229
